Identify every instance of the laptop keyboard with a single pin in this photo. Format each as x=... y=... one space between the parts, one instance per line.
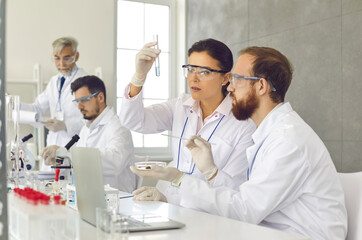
x=133 y=223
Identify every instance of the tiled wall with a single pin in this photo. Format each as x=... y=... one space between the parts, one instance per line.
x=322 y=38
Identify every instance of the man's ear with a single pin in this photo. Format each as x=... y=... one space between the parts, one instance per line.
x=262 y=86
x=77 y=56
x=101 y=97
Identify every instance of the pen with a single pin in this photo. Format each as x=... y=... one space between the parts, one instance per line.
x=126 y=197
x=186 y=139
x=157 y=60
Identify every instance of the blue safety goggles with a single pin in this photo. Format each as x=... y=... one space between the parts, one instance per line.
x=84 y=100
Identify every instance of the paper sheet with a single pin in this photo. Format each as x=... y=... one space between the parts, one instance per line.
x=28 y=117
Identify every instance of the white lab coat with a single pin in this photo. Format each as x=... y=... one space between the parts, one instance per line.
x=293 y=184
x=47 y=101
x=116 y=147
x=230 y=139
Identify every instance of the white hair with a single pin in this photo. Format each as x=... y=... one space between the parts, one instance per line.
x=63 y=42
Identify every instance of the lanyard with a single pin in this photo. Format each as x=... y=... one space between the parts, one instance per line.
x=58 y=107
x=179 y=144
x=252 y=163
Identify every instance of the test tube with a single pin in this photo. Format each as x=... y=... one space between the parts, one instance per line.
x=157 y=60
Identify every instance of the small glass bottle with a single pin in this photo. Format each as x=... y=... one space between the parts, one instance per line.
x=119 y=228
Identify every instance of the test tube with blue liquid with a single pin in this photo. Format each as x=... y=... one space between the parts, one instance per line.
x=157 y=60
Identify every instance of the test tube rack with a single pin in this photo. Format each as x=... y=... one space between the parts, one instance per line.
x=36 y=216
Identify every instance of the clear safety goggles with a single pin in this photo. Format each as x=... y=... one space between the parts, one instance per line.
x=235 y=80
x=85 y=100
x=202 y=73
x=66 y=59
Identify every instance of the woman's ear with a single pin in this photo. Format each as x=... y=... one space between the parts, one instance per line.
x=226 y=78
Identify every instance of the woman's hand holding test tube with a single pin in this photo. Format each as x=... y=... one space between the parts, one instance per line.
x=144 y=62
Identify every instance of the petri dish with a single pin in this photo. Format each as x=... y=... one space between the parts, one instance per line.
x=147 y=165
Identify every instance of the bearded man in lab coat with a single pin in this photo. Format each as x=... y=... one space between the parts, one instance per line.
x=65 y=119
x=103 y=130
x=292 y=184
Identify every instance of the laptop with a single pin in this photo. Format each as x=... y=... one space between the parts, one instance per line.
x=88 y=178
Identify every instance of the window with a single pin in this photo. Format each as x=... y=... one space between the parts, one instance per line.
x=137 y=22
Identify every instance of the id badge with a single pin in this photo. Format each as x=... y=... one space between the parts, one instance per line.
x=59 y=116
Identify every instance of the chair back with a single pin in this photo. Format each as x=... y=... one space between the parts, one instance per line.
x=352 y=187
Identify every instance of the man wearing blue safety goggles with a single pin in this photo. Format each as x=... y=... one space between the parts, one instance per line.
x=103 y=130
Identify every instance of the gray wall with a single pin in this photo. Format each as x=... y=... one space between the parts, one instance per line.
x=322 y=38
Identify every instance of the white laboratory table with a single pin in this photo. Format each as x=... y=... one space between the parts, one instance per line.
x=199 y=225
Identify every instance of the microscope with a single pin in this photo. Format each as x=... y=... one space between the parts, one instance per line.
x=26 y=158
x=63 y=158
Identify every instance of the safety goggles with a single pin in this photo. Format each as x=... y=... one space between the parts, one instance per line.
x=66 y=59
x=236 y=79
x=202 y=73
x=84 y=100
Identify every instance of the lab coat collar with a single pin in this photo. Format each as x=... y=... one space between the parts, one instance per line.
x=102 y=119
x=224 y=108
x=68 y=78
x=267 y=125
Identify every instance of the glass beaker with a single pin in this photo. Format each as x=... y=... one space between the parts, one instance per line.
x=12 y=136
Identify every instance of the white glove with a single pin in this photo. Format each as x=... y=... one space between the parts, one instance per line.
x=55 y=125
x=169 y=174
x=148 y=194
x=144 y=61
x=49 y=155
x=201 y=153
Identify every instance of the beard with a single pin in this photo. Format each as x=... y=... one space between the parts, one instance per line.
x=94 y=116
x=65 y=70
x=243 y=109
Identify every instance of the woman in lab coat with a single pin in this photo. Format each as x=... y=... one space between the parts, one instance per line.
x=206 y=112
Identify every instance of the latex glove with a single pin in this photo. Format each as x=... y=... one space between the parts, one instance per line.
x=49 y=155
x=201 y=153
x=55 y=125
x=148 y=194
x=169 y=174
x=144 y=61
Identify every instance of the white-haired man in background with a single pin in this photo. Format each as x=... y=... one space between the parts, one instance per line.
x=65 y=118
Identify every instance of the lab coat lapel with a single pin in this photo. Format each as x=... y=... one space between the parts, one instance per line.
x=265 y=128
x=185 y=156
x=103 y=121
x=191 y=127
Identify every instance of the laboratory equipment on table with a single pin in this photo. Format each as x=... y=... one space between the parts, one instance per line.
x=26 y=158
x=62 y=154
x=12 y=136
x=147 y=165
x=111 y=196
x=36 y=216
